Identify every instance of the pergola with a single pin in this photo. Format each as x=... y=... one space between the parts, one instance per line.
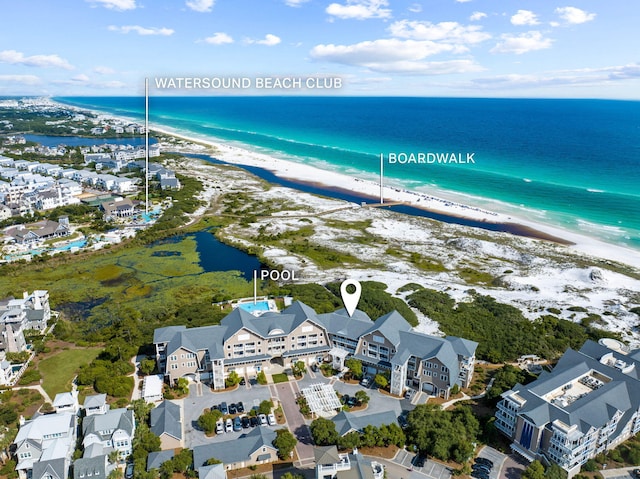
x=321 y=399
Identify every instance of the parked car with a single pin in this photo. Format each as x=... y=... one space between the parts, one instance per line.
x=484 y=460
x=366 y=381
x=237 y=424
x=232 y=408
x=228 y=427
x=215 y=407
x=254 y=421
x=243 y=381
x=636 y=473
x=220 y=427
x=263 y=419
x=271 y=419
x=128 y=472
x=419 y=460
x=314 y=367
x=240 y=407
x=245 y=422
x=409 y=394
x=344 y=398
x=480 y=474
x=352 y=401
x=481 y=467
x=223 y=408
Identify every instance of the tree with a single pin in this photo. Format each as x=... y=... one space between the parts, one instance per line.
x=298 y=368
x=381 y=381
x=351 y=440
x=535 y=470
x=324 y=432
x=182 y=460
x=232 y=379
x=183 y=386
x=147 y=366
x=362 y=396
x=141 y=410
x=555 y=472
x=355 y=367
x=290 y=475
x=284 y=443
x=265 y=407
x=262 y=378
x=208 y=419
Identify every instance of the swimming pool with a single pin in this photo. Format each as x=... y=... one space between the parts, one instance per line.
x=260 y=306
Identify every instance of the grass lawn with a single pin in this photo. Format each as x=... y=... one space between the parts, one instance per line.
x=280 y=378
x=58 y=370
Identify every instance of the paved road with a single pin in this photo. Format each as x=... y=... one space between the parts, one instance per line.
x=402 y=465
x=286 y=394
x=512 y=467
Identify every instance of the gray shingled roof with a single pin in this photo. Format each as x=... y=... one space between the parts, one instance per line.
x=156 y=459
x=215 y=471
x=95 y=467
x=463 y=347
x=390 y=325
x=341 y=324
x=57 y=468
x=165 y=419
x=94 y=401
x=111 y=420
x=236 y=450
x=346 y=421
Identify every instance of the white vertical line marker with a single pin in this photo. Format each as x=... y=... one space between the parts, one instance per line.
x=381 y=178
x=255 y=286
x=146 y=143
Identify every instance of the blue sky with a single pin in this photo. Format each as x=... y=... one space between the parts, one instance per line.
x=487 y=48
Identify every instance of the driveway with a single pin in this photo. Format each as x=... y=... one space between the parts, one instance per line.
x=513 y=467
x=496 y=457
x=404 y=467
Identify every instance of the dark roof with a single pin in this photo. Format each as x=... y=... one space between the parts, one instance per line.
x=156 y=459
x=165 y=419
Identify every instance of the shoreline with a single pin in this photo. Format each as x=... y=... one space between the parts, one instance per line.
x=330 y=180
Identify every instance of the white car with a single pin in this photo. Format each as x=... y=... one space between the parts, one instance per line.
x=271 y=419
x=220 y=427
x=263 y=419
x=229 y=425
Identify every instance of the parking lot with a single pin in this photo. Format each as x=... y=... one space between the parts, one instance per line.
x=201 y=397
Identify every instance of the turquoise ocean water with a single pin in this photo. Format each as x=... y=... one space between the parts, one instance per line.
x=571 y=163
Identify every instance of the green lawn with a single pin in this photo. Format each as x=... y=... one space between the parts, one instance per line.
x=280 y=378
x=59 y=370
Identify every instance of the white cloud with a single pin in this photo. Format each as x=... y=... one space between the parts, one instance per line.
x=218 y=38
x=360 y=9
x=525 y=17
x=102 y=70
x=22 y=79
x=142 y=30
x=269 y=40
x=200 y=5
x=443 y=31
x=585 y=76
x=463 y=1
x=476 y=16
x=522 y=43
x=17 y=58
x=574 y=16
x=81 y=78
x=415 y=8
x=395 y=55
x=295 y=3
x=115 y=4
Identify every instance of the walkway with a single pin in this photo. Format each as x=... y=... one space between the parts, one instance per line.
x=286 y=394
x=39 y=389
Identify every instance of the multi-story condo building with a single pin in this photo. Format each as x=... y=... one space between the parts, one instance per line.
x=248 y=344
x=588 y=404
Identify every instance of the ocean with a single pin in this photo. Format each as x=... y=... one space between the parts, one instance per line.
x=570 y=163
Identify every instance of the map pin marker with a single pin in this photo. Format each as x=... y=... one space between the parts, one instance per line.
x=350 y=300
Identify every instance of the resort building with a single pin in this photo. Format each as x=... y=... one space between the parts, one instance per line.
x=588 y=404
x=247 y=345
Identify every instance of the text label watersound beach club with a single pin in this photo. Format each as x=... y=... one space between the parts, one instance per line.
x=247 y=83
x=429 y=158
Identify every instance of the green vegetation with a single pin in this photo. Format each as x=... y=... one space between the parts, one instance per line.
x=280 y=378
x=208 y=419
x=232 y=379
x=59 y=370
x=324 y=434
x=265 y=407
x=505 y=378
x=298 y=369
x=376 y=302
x=144 y=441
x=314 y=295
x=284 y=442
x=446 y=435
x=262 y=378
x=355 y=368
x=502 y=330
